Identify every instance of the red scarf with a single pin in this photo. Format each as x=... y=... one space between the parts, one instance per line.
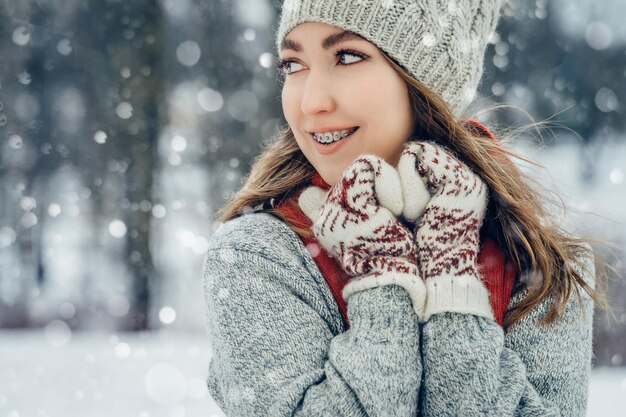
x=497 y=272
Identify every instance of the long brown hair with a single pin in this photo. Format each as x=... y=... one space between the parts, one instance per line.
x=516 y=216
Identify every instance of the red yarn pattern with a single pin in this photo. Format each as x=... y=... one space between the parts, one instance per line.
x=497 y=273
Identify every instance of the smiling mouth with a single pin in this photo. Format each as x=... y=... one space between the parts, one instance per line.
x=331 y=137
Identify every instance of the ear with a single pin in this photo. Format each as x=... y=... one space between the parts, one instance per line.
x=311 y=201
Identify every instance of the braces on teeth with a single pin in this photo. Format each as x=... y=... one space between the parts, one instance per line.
x=330 y=137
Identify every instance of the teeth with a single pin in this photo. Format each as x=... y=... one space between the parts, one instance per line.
x=329 y=137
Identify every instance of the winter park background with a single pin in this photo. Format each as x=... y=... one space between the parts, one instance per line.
x=124 y=125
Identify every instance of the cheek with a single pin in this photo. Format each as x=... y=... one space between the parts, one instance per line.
x=291 y=110
x=395 y=101
x=287 y=104
x=284 y=98
x=290 y=98
x=393 y=118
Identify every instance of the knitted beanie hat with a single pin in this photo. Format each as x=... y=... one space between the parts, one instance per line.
x=441 y=43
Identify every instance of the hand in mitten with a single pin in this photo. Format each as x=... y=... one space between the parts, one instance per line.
x=448 y=202
x=355 y=222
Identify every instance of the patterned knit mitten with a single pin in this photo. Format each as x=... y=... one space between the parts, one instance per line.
x=449 y=202
x=355 y=222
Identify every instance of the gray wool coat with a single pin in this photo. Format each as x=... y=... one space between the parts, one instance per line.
x=279 y=346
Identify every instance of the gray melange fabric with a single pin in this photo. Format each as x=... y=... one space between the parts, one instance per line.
x=279 y=347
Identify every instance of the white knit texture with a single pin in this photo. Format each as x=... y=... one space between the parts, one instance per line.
x=414 y=191
x=461 y=294
x=342 y=229
x=441 y=43
x=355 y=221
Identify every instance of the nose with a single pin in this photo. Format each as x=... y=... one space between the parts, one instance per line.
x=318 y=93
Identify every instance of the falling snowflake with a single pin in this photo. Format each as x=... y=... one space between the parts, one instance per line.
x=21 y=36
x=24 y=78
x=532 y=279
x=188 y=53
x=453 y=8
x=606 y=100
x=64 y=47
x=291 y=5
x=313 y=249
x=228 y=255
x=429 y=40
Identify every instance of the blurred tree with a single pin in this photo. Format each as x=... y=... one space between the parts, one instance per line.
x=133 y=42
x=552 y=76
x=237 y=41
x=90 y=86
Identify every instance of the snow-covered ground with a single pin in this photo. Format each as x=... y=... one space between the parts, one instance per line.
x=158 y=374
x=152 y=374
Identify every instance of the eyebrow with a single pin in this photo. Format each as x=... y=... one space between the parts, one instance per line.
x=327 y=43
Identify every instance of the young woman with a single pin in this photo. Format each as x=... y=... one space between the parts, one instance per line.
x=370 y=276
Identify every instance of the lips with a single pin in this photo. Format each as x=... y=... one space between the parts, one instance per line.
x=331 y=136
x=328 y=149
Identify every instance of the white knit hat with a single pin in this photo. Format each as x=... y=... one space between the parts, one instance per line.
x=441 y=43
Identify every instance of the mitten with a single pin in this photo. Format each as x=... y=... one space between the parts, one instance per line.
x=355 y=221
x=448 y=202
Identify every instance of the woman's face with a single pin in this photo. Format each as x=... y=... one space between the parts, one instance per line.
x=333 y=83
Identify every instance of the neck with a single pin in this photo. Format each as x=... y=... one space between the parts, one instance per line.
x=318 y=181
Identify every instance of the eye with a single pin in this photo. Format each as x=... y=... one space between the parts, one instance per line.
x=284 y=65
x=346 y=57
x=348 y=53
